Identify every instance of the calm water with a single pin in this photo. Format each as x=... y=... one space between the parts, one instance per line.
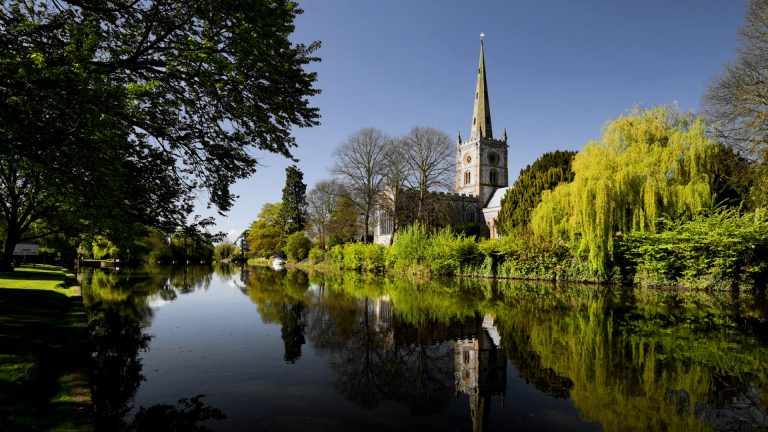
x=233 y=350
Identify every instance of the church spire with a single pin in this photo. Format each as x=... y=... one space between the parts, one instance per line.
x=481 y=115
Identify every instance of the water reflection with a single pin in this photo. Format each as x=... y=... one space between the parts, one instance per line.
x=452 y=352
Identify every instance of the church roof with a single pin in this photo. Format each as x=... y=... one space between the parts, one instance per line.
x=495 y=200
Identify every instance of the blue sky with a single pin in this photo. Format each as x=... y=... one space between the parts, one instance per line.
x=558 y=70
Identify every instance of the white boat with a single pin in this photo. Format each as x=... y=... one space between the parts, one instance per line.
x=278 y=263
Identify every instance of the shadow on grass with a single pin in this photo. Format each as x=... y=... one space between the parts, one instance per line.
x=43 y=352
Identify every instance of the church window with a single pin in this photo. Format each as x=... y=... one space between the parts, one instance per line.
x=470 y=216
x=467 y=177
x=494 y=177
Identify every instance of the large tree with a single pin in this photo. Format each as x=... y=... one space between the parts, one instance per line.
x=360 y=165
x=322 y=201
x=266 y=235
x=124 y=110
x=294 y=200
x=545 y=173
x=737 y=100
x=430 y=158
x=648 y=167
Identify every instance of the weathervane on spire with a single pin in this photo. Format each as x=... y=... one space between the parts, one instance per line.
x=482 y=35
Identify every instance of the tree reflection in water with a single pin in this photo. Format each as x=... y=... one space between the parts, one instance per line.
x=118 y=308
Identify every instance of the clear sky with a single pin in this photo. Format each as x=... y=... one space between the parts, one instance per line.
x=557 y=71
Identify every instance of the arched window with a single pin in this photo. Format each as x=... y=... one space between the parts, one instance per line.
x=470 y=215
x=494 y=177
x=467 y=177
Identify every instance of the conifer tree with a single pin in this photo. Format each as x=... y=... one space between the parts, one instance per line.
x=545 y=173
x=294 y=200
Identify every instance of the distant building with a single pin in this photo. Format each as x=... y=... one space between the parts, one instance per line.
x=482 y=172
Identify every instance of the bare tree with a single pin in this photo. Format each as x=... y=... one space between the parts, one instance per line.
x=396 y=172
x=360 y=165
x=737 y=100
x=430 y=161
x=321 y=205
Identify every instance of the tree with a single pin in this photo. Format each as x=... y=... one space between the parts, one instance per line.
x=737 y=100
x=294 y=200
x=224 y=250
x=396 y=173
x=545 y=173
x=344 y=224
x=360 y=165
x=321 y=207
x=297 y=246
x=126 y=110
x=430 y=161
x=266 y=236
x=648 y=166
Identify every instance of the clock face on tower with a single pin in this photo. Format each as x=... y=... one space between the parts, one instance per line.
x=467 y=158
x=493 y=158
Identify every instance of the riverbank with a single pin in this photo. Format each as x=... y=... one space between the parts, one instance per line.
x=43 y=352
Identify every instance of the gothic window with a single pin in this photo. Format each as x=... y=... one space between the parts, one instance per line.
x=467 y=177
x=470 y=216
x=494 y=177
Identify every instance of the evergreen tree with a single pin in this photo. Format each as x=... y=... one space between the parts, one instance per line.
x=294 y=200
x=344 y=225
x=548 y=171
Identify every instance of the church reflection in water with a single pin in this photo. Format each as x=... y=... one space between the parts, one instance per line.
x=481 y=370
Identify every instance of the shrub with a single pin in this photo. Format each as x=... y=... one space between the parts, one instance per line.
x=409 y=247
x=724 y=249
x=316 y=255
x=297 y=246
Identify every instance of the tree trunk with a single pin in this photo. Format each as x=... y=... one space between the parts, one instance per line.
x=11 y=239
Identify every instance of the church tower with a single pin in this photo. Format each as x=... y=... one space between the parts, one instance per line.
x=481 y=161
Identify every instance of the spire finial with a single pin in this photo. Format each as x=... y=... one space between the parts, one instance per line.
x=482 y=36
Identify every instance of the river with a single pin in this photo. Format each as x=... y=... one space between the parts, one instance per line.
x=229 y=349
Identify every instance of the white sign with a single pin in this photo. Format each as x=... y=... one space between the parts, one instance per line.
x=26 y=249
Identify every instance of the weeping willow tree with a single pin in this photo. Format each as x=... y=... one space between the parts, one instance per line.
x=648 y=166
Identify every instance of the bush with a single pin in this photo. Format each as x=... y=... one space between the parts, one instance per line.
x=725 y=249
x=409 y=247
x=297 y=246
x=316 y=255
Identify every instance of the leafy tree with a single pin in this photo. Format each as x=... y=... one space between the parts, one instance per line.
x=294 y=200
x=266 y=236
x=224 y=250
x=736 y=100
x=121 y=111
x=648 y=166
x=344 y=224
x=297 y=246
x=545 y=173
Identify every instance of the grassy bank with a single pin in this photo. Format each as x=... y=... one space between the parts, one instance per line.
x=43 y=352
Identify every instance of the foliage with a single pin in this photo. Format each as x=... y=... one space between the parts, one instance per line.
x=266 y=236
x=723 y=250
x=297 y=246
x=224 y=250
x=294 y=200
x=121 y=112
x=649 y=165
x=545 y=173
x=343 y=226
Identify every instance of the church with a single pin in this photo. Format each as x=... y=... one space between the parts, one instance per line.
x=482 y=170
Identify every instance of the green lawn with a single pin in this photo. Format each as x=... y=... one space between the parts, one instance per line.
x=43 y=352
